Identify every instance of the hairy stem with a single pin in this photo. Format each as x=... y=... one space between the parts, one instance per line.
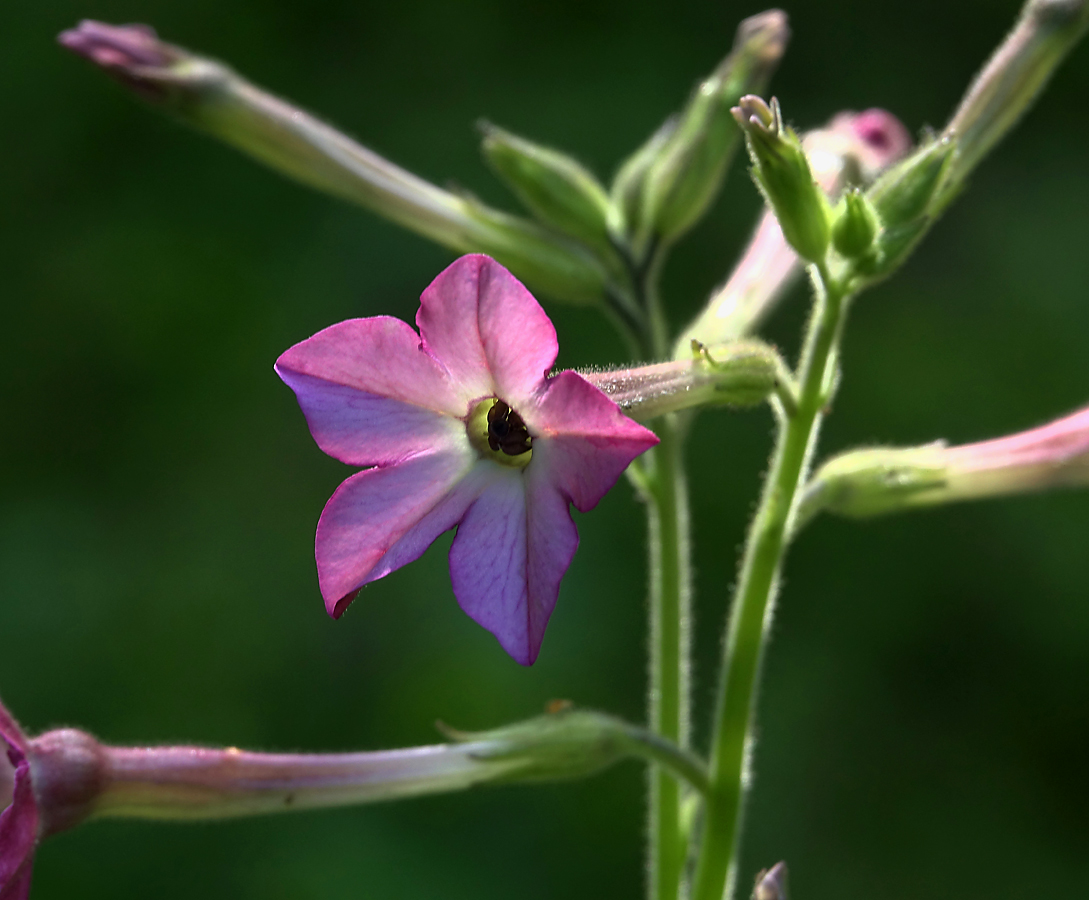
x=752 y=602
x=670 y=590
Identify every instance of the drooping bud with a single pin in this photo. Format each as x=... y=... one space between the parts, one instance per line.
x=855 y=226
x=852 y=148
x=213 y=98
x=771 y=884
x=557 y=189
x=782 y=172
x=685 y=175
x=875 y=481
x=740 y=373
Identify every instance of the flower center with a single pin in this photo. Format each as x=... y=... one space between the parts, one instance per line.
x=498 y=433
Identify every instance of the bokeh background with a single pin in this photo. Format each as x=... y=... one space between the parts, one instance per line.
x=924 y=726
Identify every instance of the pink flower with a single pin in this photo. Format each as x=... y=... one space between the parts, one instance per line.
x=19 y=818
x=463 y=428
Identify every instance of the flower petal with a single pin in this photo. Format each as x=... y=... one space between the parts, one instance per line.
x=365 y=429
x=383 y=518
x=582 y=438
x=19 y=824
x=489 y=332
x=511 y=550
x=381 y=356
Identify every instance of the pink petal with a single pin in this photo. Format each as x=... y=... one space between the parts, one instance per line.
x=19 y=824
x=487 y=330
x=383 y=518
x=511 y=550
x=381 y=356
x=18 y=887
x=582 y=439
x=365 y=429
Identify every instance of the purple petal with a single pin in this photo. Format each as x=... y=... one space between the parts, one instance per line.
x=511 y=550
x=365 y=429
x=582 y=439
x=487 y=330
x=383 y=518
x=381 y=356
x=19 y=821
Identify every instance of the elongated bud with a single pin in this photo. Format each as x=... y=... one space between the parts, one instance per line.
x=782 y=172
x=771 y=884
x=557 y=189
x=686 y=174
x=740 y=373
x=852 y=148
x=211 y=97
x=882 y=480
x=1011 y=80
x=855 y=226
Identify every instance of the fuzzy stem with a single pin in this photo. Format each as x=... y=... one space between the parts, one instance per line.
x=670 y=613
x=750 y=612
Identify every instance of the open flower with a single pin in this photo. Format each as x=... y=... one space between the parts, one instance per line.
x=18 y=812
x=461 y=427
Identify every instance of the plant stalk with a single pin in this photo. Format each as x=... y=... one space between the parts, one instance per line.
x=750 y=613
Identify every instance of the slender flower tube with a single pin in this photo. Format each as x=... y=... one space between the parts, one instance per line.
x=875 y=481
x=1008 y=84
x=462 y=428
x=741 y=373
x=854 y=148
x=210 y=96
x=64 y=777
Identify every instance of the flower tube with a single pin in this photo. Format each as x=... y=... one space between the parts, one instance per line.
x=875 y=481
x=64 y=777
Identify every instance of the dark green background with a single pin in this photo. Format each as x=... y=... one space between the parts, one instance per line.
x=925 y=721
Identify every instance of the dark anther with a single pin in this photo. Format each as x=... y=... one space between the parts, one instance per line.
x=507 y=431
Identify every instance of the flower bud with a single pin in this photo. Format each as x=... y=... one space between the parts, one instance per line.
x=871 y=482
x=782 y=173
x=557 y=189
x=739 y=373
x=771 y=884
x=685 y=175
x=626 y=193
x=853 y=147
x=213 y=98
x=855 y=225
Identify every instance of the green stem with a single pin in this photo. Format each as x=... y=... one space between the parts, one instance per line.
x=670 y=590
x=749 y=614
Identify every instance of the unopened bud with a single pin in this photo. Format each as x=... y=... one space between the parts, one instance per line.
x=557 y=189
x=626 y=193
x=739 y=373
x=856 y=225
x=771 y=884
x=882 y=480
x=852 y=148
x=782 y=172
x=684 y=177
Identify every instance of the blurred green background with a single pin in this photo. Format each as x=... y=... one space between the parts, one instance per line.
x=924 y=726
